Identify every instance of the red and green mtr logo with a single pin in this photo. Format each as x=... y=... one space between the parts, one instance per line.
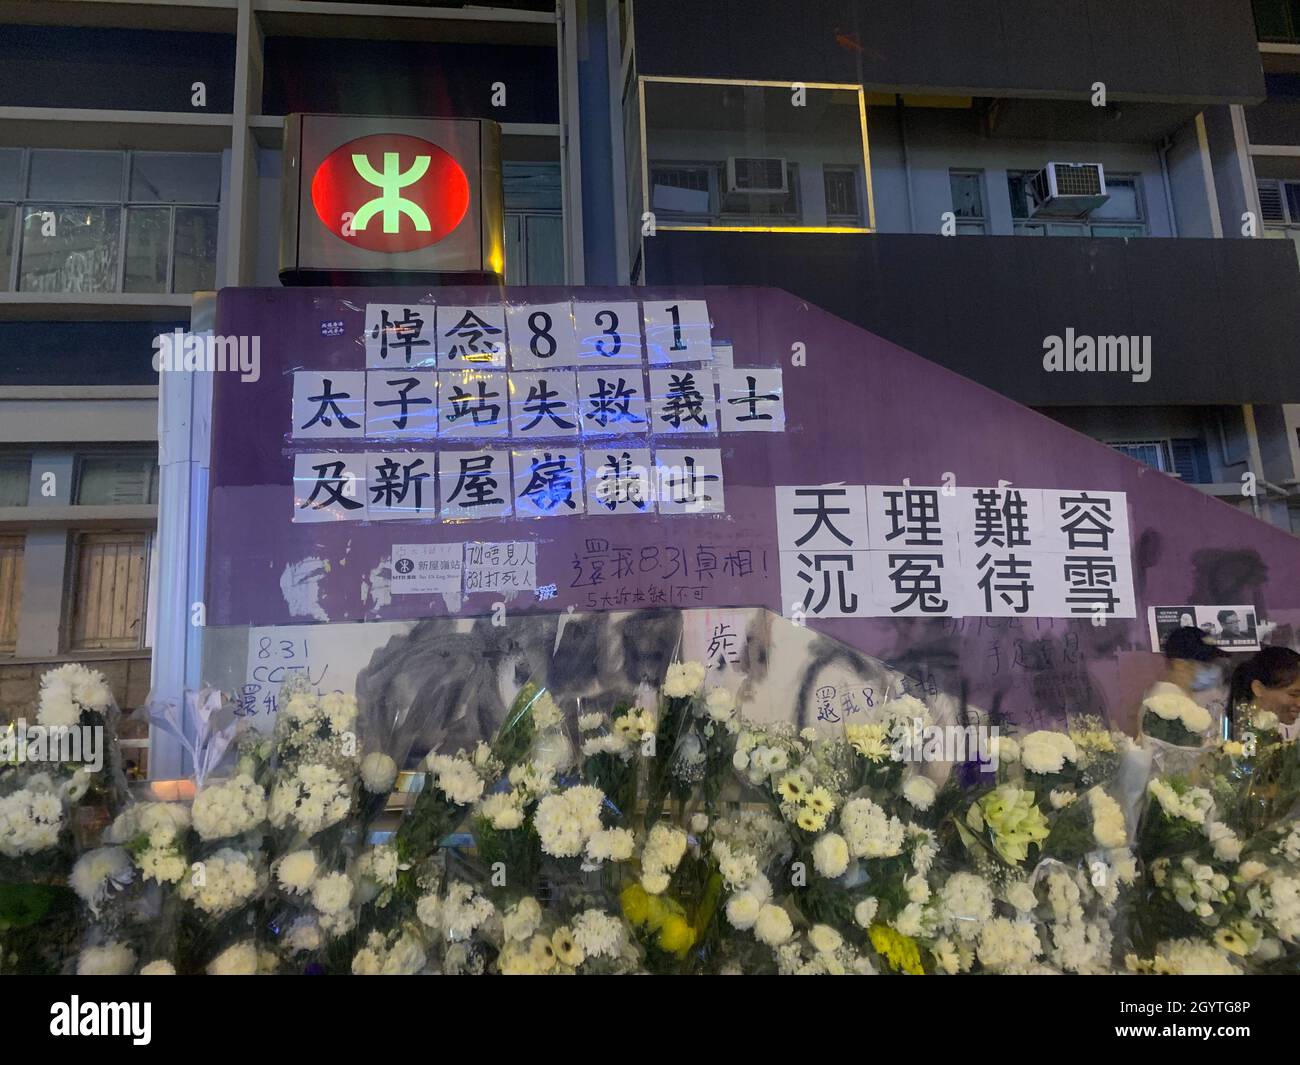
x=389 y=192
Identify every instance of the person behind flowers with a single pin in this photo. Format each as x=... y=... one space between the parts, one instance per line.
x=1267 y=683
x=1193 y=667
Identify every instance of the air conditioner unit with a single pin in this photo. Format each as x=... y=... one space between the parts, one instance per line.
x=1066 y=190
x=757 y=177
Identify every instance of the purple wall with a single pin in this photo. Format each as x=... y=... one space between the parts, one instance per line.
x=862 y=411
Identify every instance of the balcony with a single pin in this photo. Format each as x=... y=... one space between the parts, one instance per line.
x=1223 y=315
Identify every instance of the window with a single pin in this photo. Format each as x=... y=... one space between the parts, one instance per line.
x=842 y=195
x=534 y=224
x=1186 y=459
x=15 y=475
x=11 y=591
x=968 y=200
x=1279 y=202
x=1120 y=216
x=1278 y=20
x=684 y=191
x=735 y=155
x=697 y=192
x=97 y=221
x=117 y=478
x=110 y=585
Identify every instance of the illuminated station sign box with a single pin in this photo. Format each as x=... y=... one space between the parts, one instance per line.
x=414 y=198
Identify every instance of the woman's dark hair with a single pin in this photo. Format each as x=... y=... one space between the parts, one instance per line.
x=1273 y=667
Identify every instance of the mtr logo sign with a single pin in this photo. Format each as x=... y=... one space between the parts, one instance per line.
x=389 y=192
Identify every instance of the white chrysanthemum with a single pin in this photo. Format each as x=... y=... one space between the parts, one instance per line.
x=684 y=679
x=565 y=820
x=99 y=873
x=380 y=864
x=296 y=872
x=599 y=934
x=655 y=883
x=1060 y=798
x=110 y=959
x=463 y=911
x=1005 y=944
x=341 y=710
x=720 y=704
x=1021 y=895
x=1046 y=751
x=378 y=772
x=743 y=909
x=913 y=920
x=1194 y=804
x=611 y=845
x=590 y=722
x=229 y=807
x=546 y=713
x=332 y=893
x=773 y=926
x=830 y=855
x=824 y=939
x=226 y=879
x=30 y=821
x=869 y=831
x=1171 y=704
x=920 y=792
x=456 y=777
x=1227 y=846
x=865 y=911
x=428 y=911
x=69 y=689
x=610 y=743
x=161 y=967
x=162 y=822
x=522 y=919
x=502 y=811
x=238 y=960
x=314 y=798
x=1108 y=827
x=166 y=866
x=967 y=901
x=736 y=867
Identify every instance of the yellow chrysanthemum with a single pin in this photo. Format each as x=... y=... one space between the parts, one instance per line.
x=899 y=951
x=636 y=904
x=676 y=936
x=870 y=741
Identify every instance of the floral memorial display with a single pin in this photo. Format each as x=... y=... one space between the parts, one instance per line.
x=671 y=838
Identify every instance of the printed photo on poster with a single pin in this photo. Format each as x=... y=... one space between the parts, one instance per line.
x=1232 y=628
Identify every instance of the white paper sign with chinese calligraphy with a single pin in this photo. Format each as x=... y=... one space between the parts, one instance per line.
x=507 y=567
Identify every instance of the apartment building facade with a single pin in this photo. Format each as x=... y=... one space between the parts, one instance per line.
x=885 y=162
x=140 y=163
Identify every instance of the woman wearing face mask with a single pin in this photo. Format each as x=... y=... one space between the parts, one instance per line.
x=1267 y=684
